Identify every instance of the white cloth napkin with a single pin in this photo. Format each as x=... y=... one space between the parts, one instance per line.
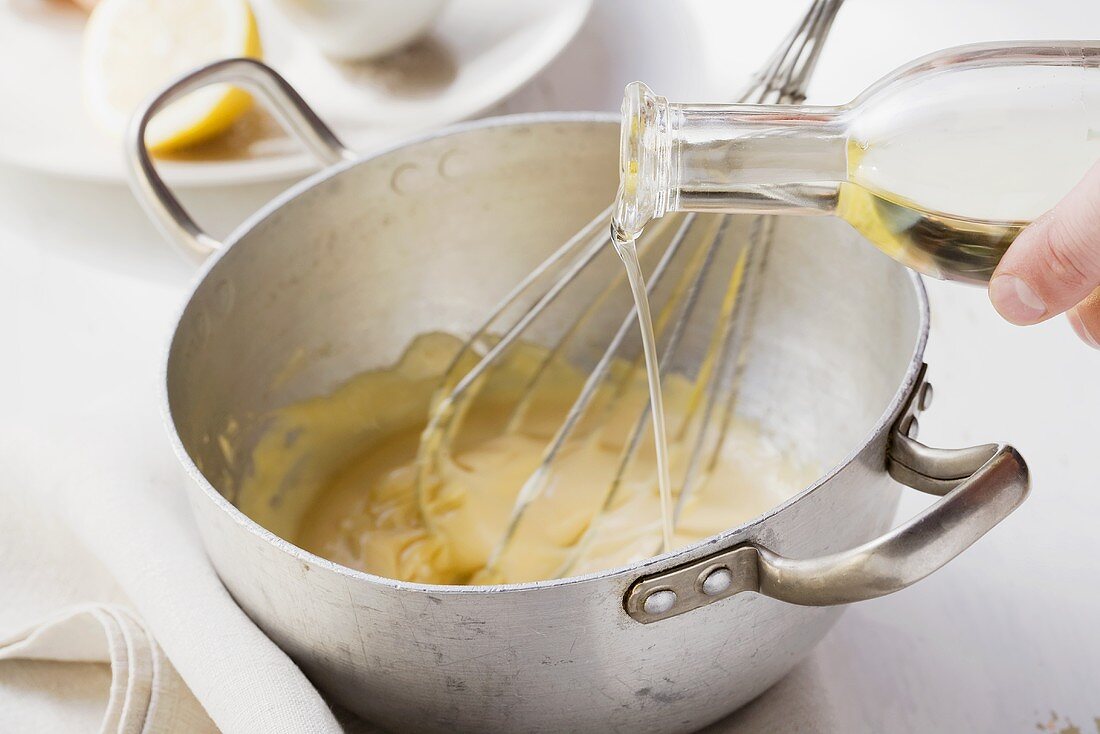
x=101 y=566
x=145 y=693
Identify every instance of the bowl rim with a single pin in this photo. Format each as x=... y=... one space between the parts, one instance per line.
x=626 y=573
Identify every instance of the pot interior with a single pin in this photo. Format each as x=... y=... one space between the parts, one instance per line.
x=342 y=277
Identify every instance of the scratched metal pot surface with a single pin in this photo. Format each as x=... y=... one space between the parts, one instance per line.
x=352 y=264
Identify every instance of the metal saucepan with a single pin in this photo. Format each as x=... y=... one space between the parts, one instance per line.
x=350 y=265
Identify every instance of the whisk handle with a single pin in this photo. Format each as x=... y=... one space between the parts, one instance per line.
x=287 y=105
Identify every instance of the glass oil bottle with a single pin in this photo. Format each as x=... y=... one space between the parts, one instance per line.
x=940 y=164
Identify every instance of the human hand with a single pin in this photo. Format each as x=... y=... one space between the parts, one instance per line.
x=1054 y=265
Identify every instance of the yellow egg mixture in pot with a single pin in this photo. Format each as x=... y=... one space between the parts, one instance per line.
x=342 y=470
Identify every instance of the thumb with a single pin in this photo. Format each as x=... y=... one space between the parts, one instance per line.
x=1054 y=262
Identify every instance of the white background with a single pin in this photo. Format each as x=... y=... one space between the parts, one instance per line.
x=1002 y=640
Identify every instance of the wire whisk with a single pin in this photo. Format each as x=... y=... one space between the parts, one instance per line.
x=703 y=282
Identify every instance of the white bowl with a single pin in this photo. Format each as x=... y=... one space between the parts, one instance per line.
x=352 y=30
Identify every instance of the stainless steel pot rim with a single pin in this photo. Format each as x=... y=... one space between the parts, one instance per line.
x=629 y=571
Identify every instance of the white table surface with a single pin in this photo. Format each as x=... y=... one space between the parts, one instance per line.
x=1002 y=640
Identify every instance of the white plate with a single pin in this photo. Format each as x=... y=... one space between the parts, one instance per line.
x=478 y=52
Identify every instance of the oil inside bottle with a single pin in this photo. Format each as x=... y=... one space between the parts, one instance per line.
x=936 y=244
x=925 y=238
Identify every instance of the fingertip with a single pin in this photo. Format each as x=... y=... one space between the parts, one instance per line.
x=1055 y=264
x=1015 y=300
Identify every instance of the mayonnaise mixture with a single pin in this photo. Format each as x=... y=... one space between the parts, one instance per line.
x=337 y=475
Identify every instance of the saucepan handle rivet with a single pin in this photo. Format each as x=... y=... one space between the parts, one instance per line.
x=717 y=581
x=659 y=602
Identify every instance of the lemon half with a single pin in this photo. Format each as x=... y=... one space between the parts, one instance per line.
x=132 y=48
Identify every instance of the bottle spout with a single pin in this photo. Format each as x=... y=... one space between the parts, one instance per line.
x=732 y=158
x=645 y=153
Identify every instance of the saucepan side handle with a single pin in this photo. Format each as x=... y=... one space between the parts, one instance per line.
x=288 y=106
x=980 y=486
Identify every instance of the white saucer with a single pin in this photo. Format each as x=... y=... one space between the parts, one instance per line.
x=478 y=52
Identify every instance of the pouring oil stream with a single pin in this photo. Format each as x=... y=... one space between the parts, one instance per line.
x=628 y=253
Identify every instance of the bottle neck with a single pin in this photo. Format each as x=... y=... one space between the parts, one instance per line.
x=729 y=158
